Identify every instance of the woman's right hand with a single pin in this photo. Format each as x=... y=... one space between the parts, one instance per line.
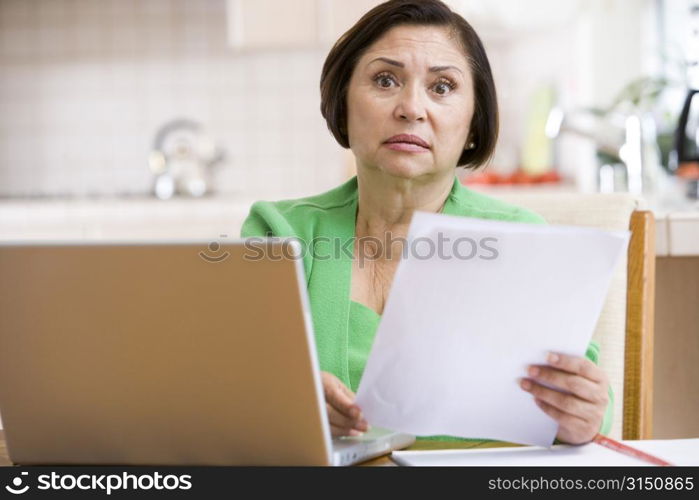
x=345 y=417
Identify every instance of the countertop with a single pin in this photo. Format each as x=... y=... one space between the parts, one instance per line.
x=677 y=219
x=214 y=218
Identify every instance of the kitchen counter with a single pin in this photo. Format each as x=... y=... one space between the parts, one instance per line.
x=677 y=228
x=677 y=220
x=677 y=234
x=122 y=218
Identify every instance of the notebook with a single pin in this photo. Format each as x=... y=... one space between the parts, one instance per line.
x=676 y=451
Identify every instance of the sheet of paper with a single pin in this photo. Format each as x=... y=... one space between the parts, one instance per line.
x=465 y=317
x=675 y=451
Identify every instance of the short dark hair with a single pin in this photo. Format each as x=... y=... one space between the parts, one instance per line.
x=343 y=57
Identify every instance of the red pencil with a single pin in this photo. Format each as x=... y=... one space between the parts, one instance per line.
x=628 y=450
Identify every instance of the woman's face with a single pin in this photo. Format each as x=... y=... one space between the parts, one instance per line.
x=415 y=80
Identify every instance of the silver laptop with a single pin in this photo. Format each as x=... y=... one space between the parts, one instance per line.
x=167 y=353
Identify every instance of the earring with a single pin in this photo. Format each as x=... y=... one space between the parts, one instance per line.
x=470 y=146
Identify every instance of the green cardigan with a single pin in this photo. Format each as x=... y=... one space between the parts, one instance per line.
x=325 y=225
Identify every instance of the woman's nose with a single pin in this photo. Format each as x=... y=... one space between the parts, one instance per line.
x=410 y=105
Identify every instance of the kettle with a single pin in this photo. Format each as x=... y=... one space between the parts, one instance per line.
x=684 y=161
x=685 y=164
x=181 y=159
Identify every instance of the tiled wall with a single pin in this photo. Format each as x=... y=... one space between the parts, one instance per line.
x=85 y=84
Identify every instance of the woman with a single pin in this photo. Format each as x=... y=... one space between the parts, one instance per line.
x=409 y=90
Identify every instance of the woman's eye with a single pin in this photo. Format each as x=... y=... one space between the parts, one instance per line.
x=384 y=81
x=443 y=87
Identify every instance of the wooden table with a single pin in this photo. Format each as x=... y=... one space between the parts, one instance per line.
x=421 y=444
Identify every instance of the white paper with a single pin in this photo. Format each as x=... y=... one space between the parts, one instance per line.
x=674 y=451
x=457 y=334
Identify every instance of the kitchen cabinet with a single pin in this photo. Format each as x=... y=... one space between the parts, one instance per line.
x=123 y=219
x=340 y=15
x=259 y=24
x=268 y=24
x=676 y=347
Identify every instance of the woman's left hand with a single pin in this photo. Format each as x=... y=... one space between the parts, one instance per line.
x=579 y=410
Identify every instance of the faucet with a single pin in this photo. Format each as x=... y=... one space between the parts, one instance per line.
x=629 y=138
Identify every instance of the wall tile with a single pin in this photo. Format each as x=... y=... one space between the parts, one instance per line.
x=85 y=85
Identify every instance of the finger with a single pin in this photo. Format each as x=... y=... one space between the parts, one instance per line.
x=575 y=384
x=576 y=365
x=342 y=402
x=567 y=403
x=341 y=431
x=339 y=420
x=338 y=431
x=564 y=419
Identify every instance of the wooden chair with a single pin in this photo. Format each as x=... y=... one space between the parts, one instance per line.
x=625 y=326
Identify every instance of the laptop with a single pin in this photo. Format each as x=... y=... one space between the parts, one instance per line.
x=164 y=353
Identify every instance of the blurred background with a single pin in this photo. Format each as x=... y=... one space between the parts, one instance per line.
x=89 y=90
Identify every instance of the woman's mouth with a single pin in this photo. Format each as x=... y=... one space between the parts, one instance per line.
x=408 y=143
